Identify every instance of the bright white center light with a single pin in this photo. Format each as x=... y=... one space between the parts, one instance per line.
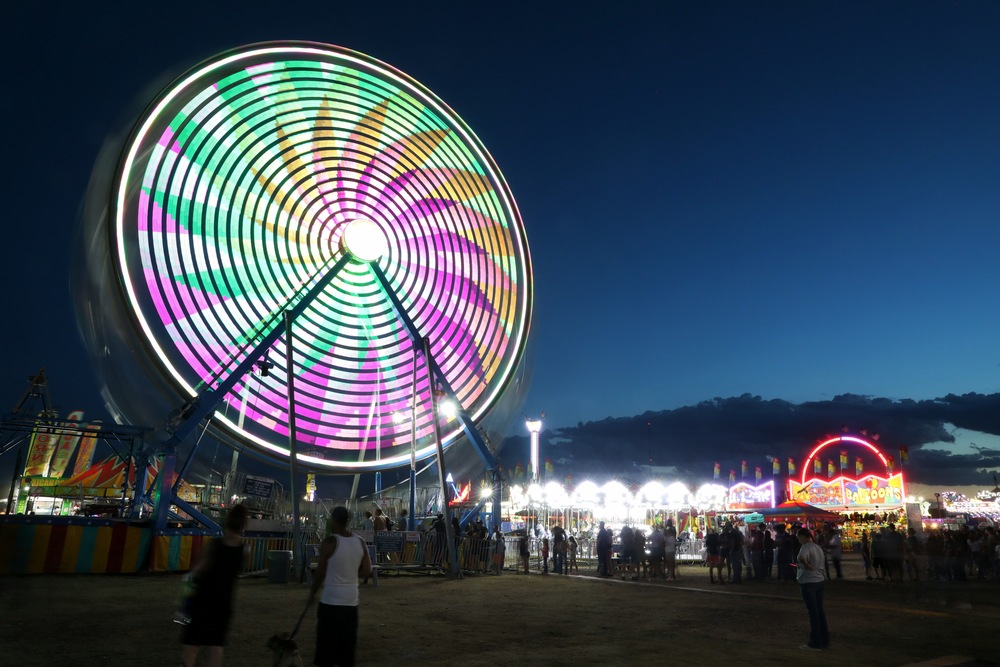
x=448 y=408
x=364 y=240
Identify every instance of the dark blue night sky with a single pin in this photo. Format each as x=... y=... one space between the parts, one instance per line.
x=792 y=200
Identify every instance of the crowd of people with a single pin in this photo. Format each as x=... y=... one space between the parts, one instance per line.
x=734 y=554
x=942 y=555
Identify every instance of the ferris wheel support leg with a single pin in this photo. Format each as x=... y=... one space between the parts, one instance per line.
x=496 y=510
x=204 y=404
x=438 y=377
x=453 y=569
x=468 y=426
x=411 y=519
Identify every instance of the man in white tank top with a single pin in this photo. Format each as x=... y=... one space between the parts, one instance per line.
x=343 y=559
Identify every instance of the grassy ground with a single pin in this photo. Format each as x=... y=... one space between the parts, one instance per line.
x=514 y=620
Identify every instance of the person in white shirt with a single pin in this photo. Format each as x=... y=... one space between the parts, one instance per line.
x=343 y=559
x=809 y=574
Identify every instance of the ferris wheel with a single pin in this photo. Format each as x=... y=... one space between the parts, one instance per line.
x=304 y=188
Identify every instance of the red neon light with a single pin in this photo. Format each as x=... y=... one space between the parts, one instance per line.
x=842 y=438
x=463 y=494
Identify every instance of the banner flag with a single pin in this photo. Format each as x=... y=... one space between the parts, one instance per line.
x=859 y=467
x=715 y=473
x=85 y=452
x=66 y=446
x=843 y=459
x=743 y=469
x=904 y=455
x=732 y=476
x=776 y=466
x=756 y=473
x=831 y=470
x=43 y=444
x=817 y=466
x=791 y=466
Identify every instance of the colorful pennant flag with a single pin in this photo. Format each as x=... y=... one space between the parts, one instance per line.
x=831 y=470
x=549 y=468
x=791 y=466
x=817 y=466
x=67 y=445
x=859 y=467
x=891 y=463
x=42 y=445
x=904 y=455
x=717 y=471
x=843 y=459
x=743 y=469
x=775 y=466
x=756 y=473
x=85 y=452
x=732 y=476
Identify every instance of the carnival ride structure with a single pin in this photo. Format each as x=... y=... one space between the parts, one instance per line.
x=306 y=250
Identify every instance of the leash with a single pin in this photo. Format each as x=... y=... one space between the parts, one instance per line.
x=295 y=630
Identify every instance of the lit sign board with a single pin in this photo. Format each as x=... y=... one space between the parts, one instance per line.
x=843 y=492
x=742 y=496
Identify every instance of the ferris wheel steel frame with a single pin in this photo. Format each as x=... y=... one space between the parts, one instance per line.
x=204 y=404
x=500 y=347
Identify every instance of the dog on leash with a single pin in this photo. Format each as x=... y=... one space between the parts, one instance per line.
x=285 y=651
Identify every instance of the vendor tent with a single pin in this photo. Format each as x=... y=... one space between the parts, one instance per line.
x=794 y=510
x=107 y=478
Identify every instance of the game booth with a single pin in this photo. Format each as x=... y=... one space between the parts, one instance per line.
x=863 y=501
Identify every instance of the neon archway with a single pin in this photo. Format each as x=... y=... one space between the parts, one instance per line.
x=848 y=492
x=843 y=438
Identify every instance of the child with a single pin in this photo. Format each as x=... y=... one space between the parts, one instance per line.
x=545 y=555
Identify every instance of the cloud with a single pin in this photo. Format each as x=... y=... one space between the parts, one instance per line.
x=730 y=430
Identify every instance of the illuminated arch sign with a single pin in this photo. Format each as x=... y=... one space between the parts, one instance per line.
x=845 y=492
x=742 y=496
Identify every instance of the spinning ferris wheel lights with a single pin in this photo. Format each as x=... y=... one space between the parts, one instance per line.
x=310 y=185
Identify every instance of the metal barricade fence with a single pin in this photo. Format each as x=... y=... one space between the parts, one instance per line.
x=255 y=552
x=691 y=550
x=429 y=551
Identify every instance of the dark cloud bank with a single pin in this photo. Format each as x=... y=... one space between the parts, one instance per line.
x=729 y=430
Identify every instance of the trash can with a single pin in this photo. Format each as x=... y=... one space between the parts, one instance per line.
x=279 y=565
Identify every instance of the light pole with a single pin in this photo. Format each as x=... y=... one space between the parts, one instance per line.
x=535 y=429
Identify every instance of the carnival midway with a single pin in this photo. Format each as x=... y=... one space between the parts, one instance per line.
x=302 y=255
x=70 y=513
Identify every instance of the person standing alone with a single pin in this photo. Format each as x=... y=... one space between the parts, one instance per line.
x=811 y=562
x=343 y=559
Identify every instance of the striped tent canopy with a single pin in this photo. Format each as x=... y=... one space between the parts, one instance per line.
x=106 y=478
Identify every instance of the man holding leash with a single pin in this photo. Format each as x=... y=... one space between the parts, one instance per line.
x=343 y=559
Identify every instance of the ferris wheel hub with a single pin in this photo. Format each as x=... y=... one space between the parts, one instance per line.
x=364 y=240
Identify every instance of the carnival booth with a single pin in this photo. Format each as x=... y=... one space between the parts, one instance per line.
x=863 y=501
x=795 y=512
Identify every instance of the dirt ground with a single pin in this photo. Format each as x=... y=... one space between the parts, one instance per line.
x=515 y=620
